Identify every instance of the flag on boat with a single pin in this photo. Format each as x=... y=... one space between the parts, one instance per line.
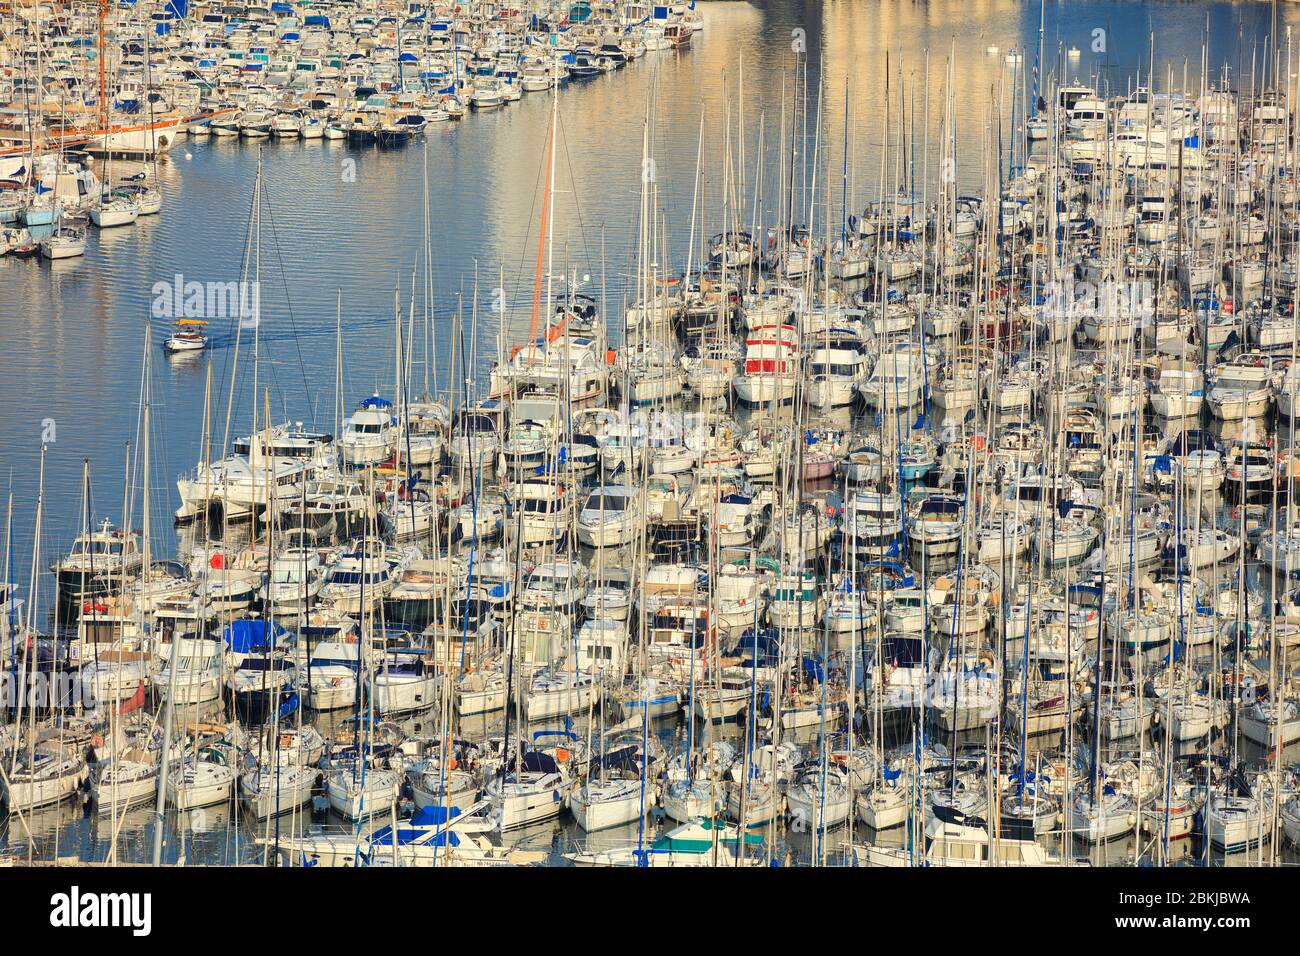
x=135 y=702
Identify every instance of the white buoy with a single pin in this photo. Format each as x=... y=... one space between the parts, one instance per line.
x=188 y=157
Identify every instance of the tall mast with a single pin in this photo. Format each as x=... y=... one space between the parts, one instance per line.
x=547 y=232
x=103 y=72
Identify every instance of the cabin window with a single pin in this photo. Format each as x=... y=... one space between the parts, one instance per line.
x=959 y=851
x=97 y=548
x=354 y=577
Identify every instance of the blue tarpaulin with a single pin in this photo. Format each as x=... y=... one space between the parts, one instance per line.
x=434 y=815
x=813 y=668
x=248 y=636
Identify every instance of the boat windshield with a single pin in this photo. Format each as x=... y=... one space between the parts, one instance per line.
x=537 y=506
x=355 y=577
x=97 y=547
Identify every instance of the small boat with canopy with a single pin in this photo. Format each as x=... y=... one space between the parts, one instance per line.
x=188 y=336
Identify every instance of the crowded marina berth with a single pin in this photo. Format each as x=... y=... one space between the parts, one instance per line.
x=891 y=480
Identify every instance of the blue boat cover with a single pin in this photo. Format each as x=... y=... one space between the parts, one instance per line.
x=434 y=815
x=249 y=636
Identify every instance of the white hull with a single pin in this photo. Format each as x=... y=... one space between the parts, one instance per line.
x=685 y=806
x=470 y=702
x=556 y=703
x=405 y=697
x=355 y=800
x=269 y=796
x=883 y=808
x=27 y=795
x=613 y=811
x=206 y=791
x=519 y=809
x=113 y=798
x=764 y=389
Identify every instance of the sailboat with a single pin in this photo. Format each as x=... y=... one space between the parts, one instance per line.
x=188 y=337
